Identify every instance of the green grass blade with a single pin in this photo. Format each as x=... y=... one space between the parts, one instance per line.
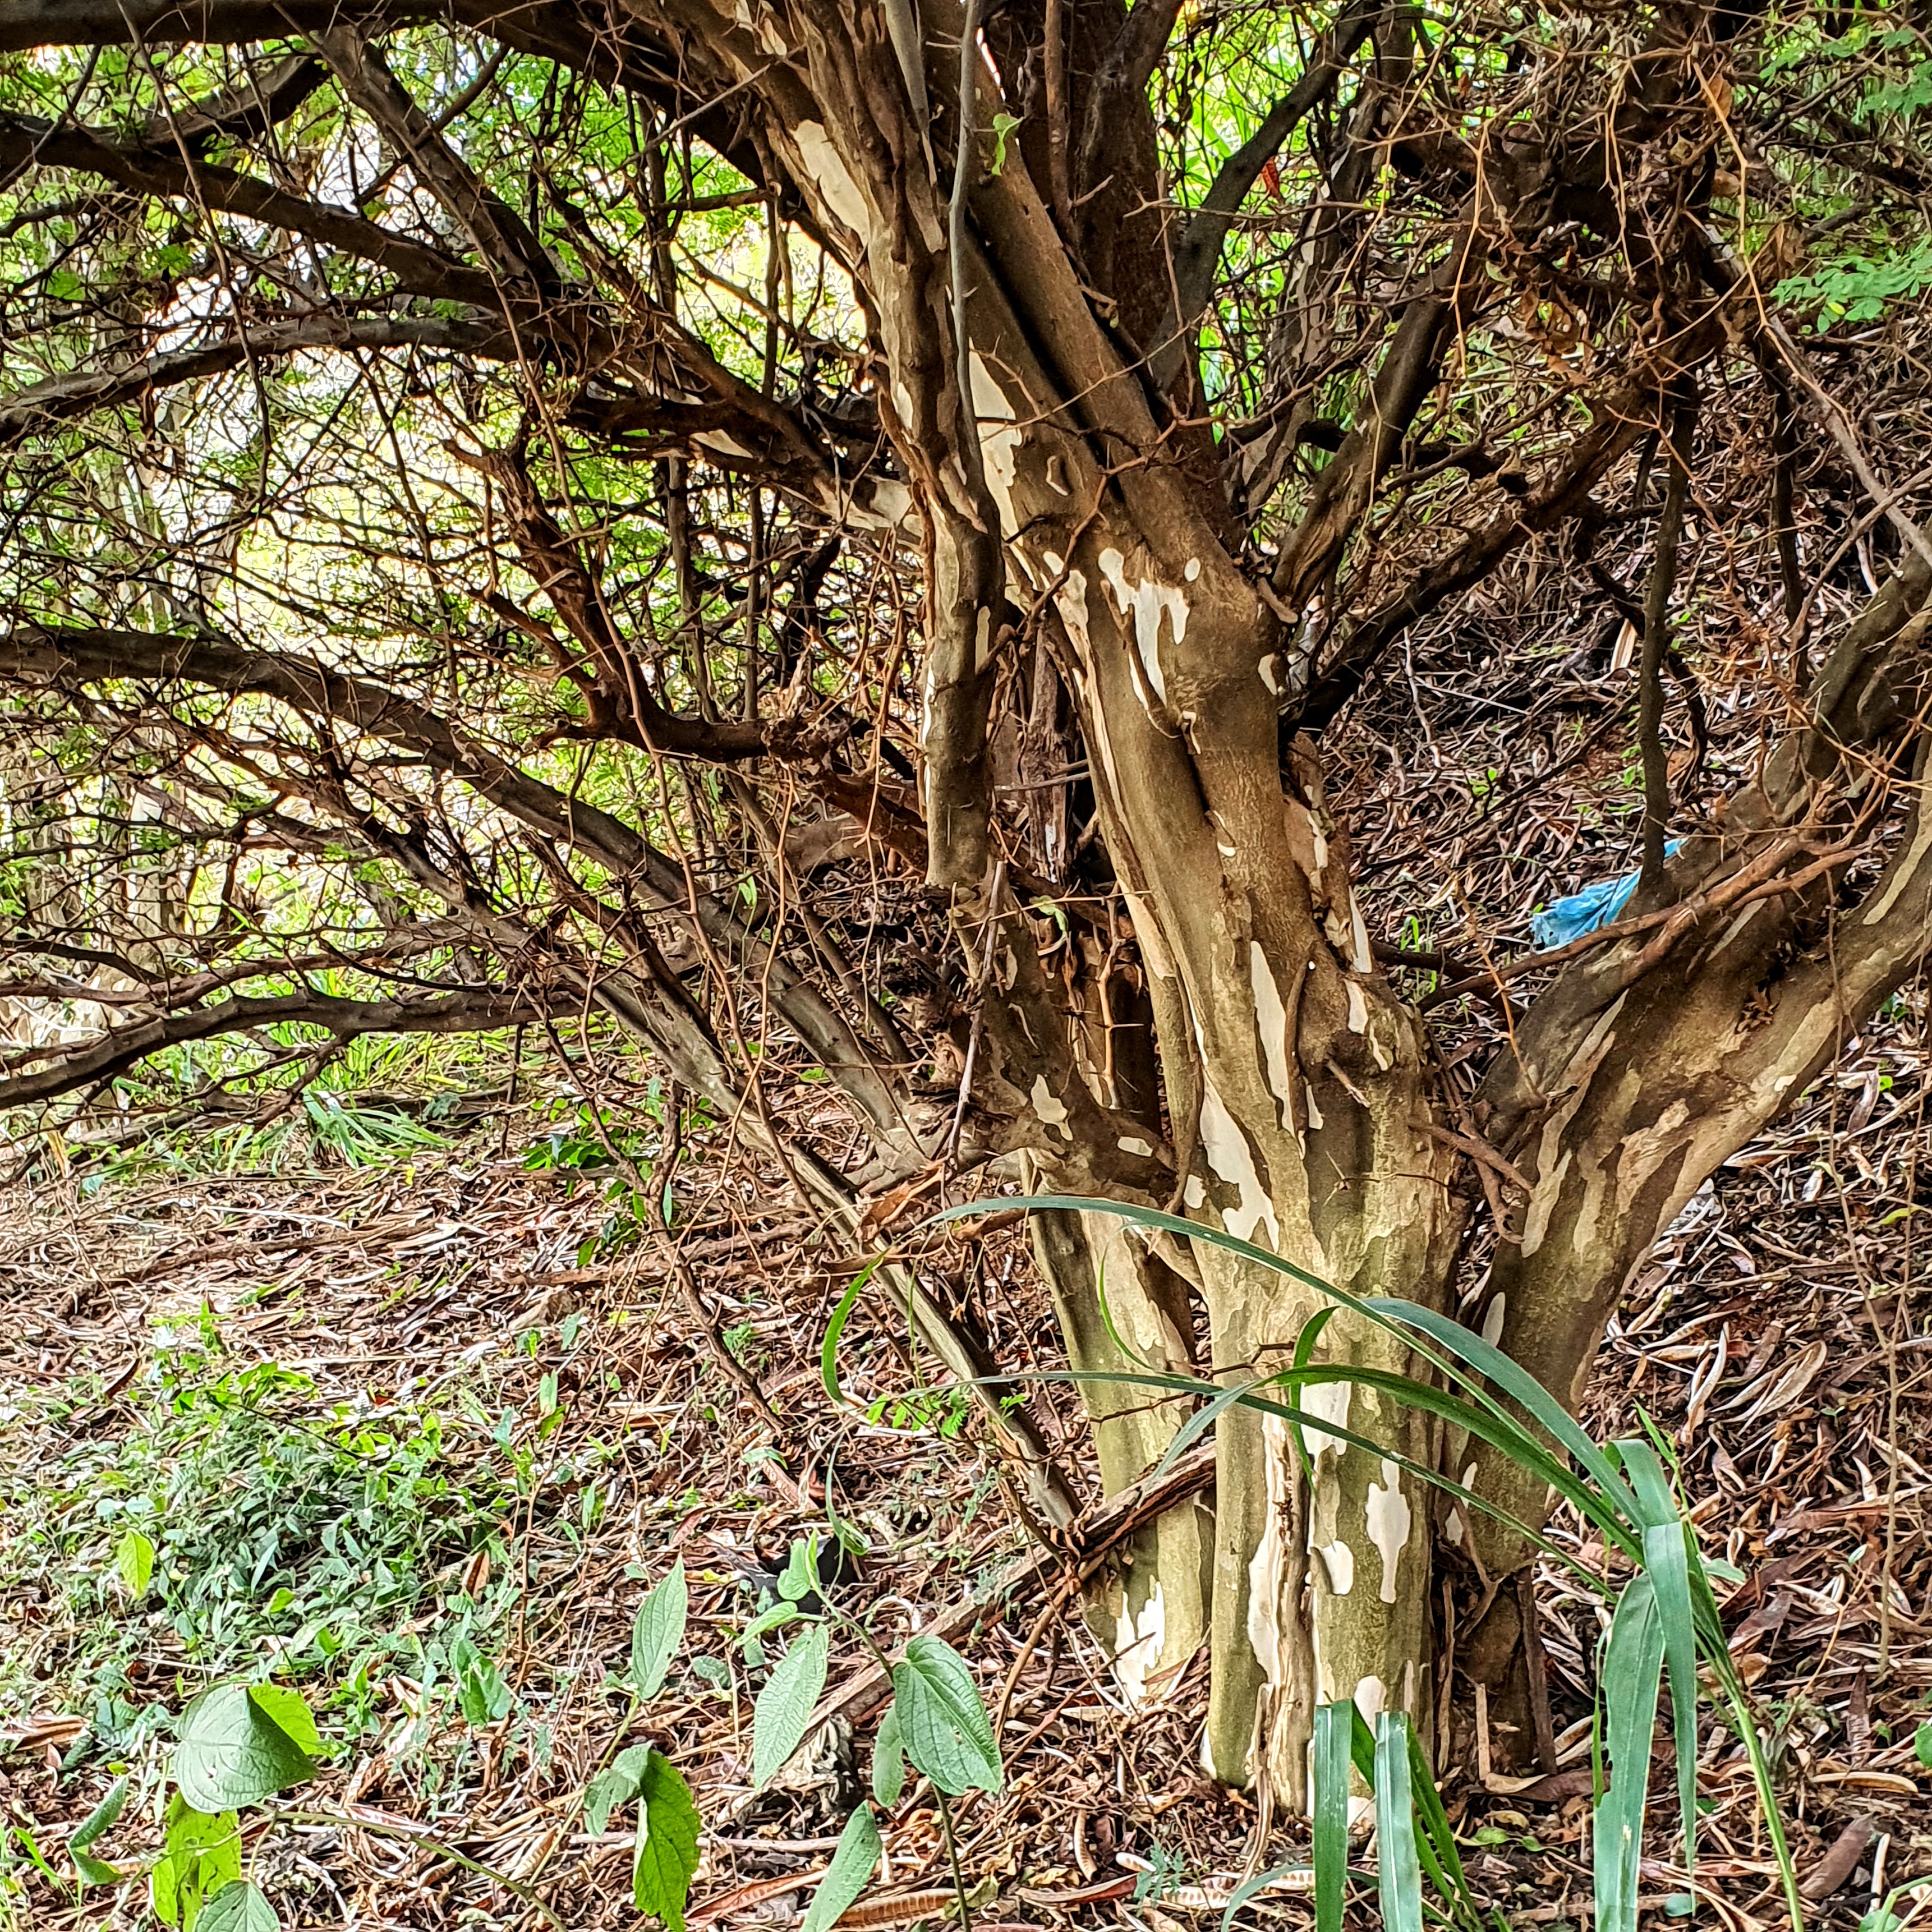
x=1330 y=1835
x=1399 y=1870
x=828 y=1349
x=1437 y=1840
x=1631 y=1679
x=1666 y=1562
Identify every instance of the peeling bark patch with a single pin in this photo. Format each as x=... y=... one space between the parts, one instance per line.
x=827 y=167
x=1137 y=1646
x=1132 y=1144
x=1330 y=1401
x=999 y=440
x=1267 y=1567
x=1271 y=1015
x=1358 y=1008
x=1052 y=1111
x=1339 y=1560
x=1371 y=1699
x=1492 y=1320
x=1390 y=1519
x=1233 y=1160
x=1145 y=602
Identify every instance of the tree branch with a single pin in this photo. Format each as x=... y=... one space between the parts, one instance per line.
x=472 y=1010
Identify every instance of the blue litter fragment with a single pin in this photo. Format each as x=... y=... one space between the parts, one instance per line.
x=1583 y=912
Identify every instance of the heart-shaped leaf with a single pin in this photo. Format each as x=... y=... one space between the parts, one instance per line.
x=943 y=1725
x=238 y=1906
x=235 y=1749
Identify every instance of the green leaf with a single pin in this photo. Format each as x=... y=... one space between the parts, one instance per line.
x=776 y=1617
x=1631 y=1677
x=201 y=1852
x=850 y=1872
x=234 y=1751
x=828 y=1349
x=1333 y=1723
x=658 y=1632
x=1399 y=1871
x=799 y=1578
x=26 y=1838
x=1003 y=125
x=942 y=1726
x=239 y=1907
x=100 y=1819
x=617 y=1784
x=290 y=1709
x=889 y=1759
x=1666 y=1562
x=484 y=1693
x=134 y=1563
x=785 y=1705
x=93 y=1871
x=1921 y=1744
x=667 y=1853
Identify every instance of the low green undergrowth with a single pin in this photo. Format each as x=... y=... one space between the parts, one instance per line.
x=237 y=1519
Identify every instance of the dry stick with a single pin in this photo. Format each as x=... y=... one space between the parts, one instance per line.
x=1657 y=635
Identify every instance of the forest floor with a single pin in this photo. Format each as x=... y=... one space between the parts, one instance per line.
x=418 y=1436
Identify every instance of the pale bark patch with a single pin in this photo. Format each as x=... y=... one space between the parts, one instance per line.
x=1339 y=1560
x=999 y=440
x=1146 y=602
x=1233 y=1161
x=825 y=166
x=1050 y=1108
x=1271 y=1015
x=1138 y=1647
x=1390 y=1519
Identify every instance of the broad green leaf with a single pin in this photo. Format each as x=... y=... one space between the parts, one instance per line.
x=889 y=1759
x=238 y=1906
x=667 y=1852
x=1632 y=1671
x=766 y=1622
x=290 y=1710
x=658 y=1632
x=1333 y=1724
x=134 y=1562
x=942 y=1726
x=617 y=1784
x=233 y=1751
x=785 y=1704
x=799 y=1577
x=201 y=1852
x=93 y=1871
x=1398 y=1870
x=850 y=1872
x=1921 y=1745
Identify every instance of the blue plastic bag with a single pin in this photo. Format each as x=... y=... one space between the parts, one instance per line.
x=1570 y=918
